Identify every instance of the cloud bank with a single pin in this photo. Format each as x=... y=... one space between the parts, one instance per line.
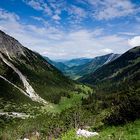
x=135 y=41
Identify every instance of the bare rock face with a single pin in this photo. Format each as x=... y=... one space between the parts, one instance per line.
x=10 y=46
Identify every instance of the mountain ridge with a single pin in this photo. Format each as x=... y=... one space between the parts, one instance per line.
x=84 y=65
x=29 y=71
x=114 y=68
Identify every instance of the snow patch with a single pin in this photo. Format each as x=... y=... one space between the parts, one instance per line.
x=85 y=133
x=25 y=139
x=21 y=90
x=29 y=90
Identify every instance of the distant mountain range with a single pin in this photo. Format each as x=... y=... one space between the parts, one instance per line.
x=59 y=65
x=76 y=62
x=79 y=67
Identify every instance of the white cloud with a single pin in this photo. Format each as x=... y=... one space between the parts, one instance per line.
x=35 y=4
x=39 y=5
x=128 y=33
x=135 y=41
x=84 y=43
x=55 y=43
x=55 y=8
x=77 y=13
x=6 y=15
x=92 y=9
x=110 y=9
x=26 y=33
x=56 y=17
x=106 y=50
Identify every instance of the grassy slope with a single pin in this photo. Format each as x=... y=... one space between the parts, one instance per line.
x=50 y=125
x=130 y=131
x=11 y=98
x=9 y=93
x=46 y=120
x=116 y=98
x=47 y=81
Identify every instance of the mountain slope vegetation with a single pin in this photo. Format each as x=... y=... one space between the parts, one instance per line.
x=92 y=65
x=55 y=107
x=76 y=62
x=59 y=65
x=117 y=89
x=79 y=67
x=18 y=64
x=126 y=66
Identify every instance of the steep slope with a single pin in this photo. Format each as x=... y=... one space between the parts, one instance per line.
x=94 y=64
x=59 y=65
x=29 y=73
x=126 y=66
x=29 y=89
x=117 y=89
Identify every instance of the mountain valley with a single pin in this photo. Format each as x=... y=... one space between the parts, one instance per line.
x=79 y=67
x=36 y=98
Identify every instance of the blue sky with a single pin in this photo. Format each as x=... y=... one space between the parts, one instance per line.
x=65 y=29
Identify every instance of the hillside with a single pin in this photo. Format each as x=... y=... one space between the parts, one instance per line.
x=59 y=65
x=79 y=67
x=28 y=73
x=92 y=65
x=125 y=67
x=117 y=88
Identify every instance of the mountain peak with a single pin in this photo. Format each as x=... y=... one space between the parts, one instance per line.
x=9 y=46
x=31 y=75
x=1 y=32
x=122 y=66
